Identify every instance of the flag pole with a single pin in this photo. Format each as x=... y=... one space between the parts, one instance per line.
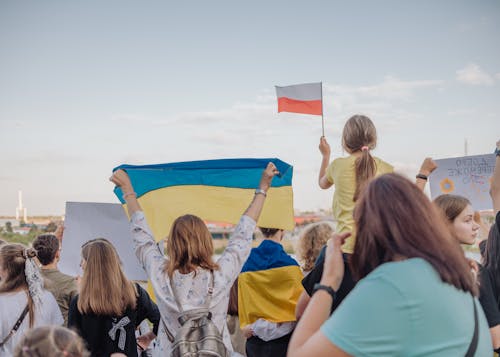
x=322 y=119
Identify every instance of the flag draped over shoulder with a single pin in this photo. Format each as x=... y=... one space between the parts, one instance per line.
x=218 y=190
x=301 y=98
x=269 y=285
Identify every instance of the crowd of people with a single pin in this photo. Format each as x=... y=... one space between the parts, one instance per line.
x=389 y=279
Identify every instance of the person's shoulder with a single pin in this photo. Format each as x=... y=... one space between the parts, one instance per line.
x=383 y=166
x=343 y=160
x=404 y=272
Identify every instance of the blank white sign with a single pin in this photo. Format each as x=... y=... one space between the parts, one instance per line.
x=89 y=220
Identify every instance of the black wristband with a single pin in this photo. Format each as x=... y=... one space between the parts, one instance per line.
x=422 y=176
x=327 y=288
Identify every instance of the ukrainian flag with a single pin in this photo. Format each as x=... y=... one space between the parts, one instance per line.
x=269 y=285
x=218 y=190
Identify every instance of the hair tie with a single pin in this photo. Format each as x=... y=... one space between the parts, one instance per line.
x=26 y=348
x=65 y=353
x=365 y=148
x=33 y=277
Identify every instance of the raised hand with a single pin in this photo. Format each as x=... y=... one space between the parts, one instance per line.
x=324 y=147
x=428 y=166
x=267 y=176
x=333 y=271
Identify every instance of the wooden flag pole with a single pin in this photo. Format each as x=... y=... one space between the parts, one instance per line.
x=322 y=119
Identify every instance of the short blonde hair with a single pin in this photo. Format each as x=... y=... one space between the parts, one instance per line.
x=313 y=238
x=189 y=246
x=105 y=290
x=54 y=341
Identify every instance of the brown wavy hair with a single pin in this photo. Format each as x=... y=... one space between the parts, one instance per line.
x=104 y=290
x=395 y=220
x=54 y=341
x=312 y=239
x=451 y=205
x=13 y=262
x=360 y=131
x=189 y=246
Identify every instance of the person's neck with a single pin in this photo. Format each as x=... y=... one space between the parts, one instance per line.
x=274 y=239
x=52 y=265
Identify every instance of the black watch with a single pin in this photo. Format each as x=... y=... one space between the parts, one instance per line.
x=327 y=288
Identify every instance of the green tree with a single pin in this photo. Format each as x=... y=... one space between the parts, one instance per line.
x=8 y=227
x=33 y=228
x=51 y=227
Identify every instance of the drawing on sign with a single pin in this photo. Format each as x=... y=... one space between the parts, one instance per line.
x=468 y=176
x=447 y=185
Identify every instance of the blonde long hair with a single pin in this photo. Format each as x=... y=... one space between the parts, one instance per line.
x=359 y=134
x=104 y=289
x=13 y=262
x=313 y=238
x=54 y=341
x=189 y=246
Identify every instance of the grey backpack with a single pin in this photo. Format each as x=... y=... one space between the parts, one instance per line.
x=198 y=335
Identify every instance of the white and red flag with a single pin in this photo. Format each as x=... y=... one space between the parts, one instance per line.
x=304 y=98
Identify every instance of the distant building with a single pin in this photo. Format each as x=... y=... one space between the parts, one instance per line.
x=21 y=212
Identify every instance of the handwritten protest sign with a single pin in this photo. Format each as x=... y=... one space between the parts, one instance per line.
x=85 y=221
x=468 y=176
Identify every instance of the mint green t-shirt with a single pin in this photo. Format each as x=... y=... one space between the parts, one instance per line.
x=404 y=309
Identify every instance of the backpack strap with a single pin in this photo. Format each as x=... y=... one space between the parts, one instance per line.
x=473 y=344
x=179 y=306
x=16 y=326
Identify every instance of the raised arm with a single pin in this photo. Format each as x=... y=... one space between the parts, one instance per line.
x=307 y=339
x=495 y=181
x=120 y=178
x=425 y=170
x=255 y=208
x=324 y=148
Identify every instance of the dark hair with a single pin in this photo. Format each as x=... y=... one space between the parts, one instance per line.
x=451 y=205
x=46 y=245
x=232 y=306
x=269 y=232
x=491 y=258
x=395 y=219
x=359 y=132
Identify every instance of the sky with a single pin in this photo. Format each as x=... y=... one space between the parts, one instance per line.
x=88 y=85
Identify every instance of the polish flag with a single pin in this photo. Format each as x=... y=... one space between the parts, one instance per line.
x=301 y=98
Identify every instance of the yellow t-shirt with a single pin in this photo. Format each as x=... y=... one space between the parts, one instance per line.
x=341 y=172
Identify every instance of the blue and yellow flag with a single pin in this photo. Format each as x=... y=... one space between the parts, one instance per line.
x=269 y=285
x=218 y=190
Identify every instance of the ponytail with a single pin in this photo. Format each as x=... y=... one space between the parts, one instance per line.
x=365 y=169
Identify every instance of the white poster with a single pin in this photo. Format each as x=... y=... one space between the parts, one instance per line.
x=87 y=220
x=468 y=176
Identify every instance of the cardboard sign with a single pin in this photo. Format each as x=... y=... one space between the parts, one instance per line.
x=86 y=221
x=468 y=176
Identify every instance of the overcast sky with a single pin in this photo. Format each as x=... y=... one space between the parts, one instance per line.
x=88 y=85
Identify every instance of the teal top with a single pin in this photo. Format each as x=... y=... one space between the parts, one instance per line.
x=404 y=309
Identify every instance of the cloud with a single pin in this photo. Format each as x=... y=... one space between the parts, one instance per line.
x=497 y=76
x=473 y=74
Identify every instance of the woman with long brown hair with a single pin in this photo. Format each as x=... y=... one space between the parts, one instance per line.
x=109 y=306
x=23 y=301
x=416 y=293
x=188 y=278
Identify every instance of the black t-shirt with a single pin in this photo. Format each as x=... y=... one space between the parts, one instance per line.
x=314 y=277
x=489 y=291
x=103 y=334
